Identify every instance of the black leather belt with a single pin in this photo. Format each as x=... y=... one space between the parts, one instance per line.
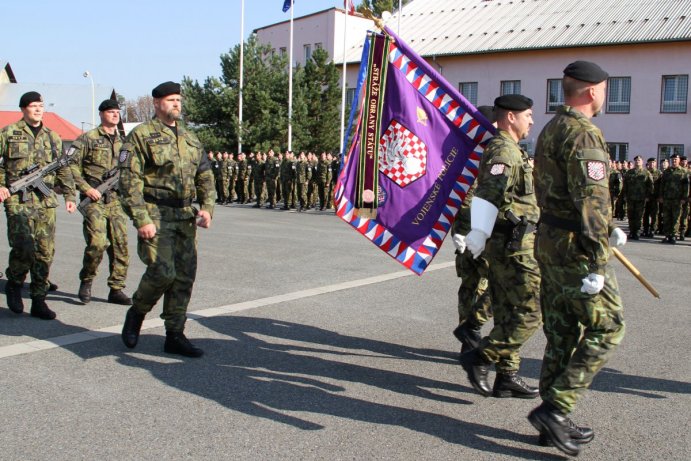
x=169 y=202
x=560 y=223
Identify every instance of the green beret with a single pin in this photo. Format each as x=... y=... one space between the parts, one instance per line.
x=586 y=71
x=165 y=89
x=28 y=98
x=487 y=112
x=108 y=104
x=515 y=102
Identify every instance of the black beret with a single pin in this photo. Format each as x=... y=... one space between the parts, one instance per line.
x=108 y=104
x=516 y=102
x=487 y=112
x=586 y=71
x=674 y=156
x=28 y=98
x=683 y=157
x=165 y=89
x=651 y=159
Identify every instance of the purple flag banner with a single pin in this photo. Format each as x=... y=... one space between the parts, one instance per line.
x=430 y=142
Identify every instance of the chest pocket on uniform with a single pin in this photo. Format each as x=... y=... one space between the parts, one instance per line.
x=161 y=151
x=527 y=180
x=194 y=149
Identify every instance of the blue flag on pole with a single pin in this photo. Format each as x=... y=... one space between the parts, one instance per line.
x=287 y=4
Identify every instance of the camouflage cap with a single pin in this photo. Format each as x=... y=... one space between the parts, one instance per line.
x=516 y=102
x=586 y=71
x=28 y=98
x=108 y=104
x=165 y=89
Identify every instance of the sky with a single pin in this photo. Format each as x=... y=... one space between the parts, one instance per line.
x=130 y=45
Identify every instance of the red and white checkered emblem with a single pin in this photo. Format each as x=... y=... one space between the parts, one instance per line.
x=402 y=155
x=596 y=170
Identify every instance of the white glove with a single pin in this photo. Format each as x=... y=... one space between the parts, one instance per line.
x=458 y=242
x=476 y=240
x=592 y=284
x=617 y=238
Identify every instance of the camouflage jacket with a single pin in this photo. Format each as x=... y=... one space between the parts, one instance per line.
x=242 y=169
x=20 y=150
x=571 y=183
x=156 y=165
x=273 y=168
x=301 y=168
x=656 y=174
x=259 y=168
x=506 y=181
x=232 y=169
x=287 y=170
x=323 y=171
x=674 y=184
x=638 y=184
x=96 y=154
x=615 y=182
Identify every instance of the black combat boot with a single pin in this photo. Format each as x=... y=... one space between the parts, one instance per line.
x=117 y=296
x=469 y=335
x=579 y=434
x=177 y=343
x=477 y=369
x=131 y=328
x=14 y=297
x=556 y=428
x=85 y=291
x=40 y=309
x=511 y=385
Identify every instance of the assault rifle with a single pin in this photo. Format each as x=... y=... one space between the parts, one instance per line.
x=109 y=184
x=33 y=176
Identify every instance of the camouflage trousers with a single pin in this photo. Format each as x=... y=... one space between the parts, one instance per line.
x=272 y=193
x=242 y=190
x=330 y=195
x=650 y=215
x=260 y=192
x=474 y=300
x=582 y=333
x=312 y=193
x=684 y=219
x=231 y=189
x=634 y=211
x=171 y=267
x=514 y=283
x=31 y=235
x=671 y=212
x=288 y=193
x=225 y=183
x=105 y=229
x=323 y=188
x=620 y=208
x=301 y=189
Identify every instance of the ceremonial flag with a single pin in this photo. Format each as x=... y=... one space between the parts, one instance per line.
x=287 y=4
x=349 y=6
x=414 y=155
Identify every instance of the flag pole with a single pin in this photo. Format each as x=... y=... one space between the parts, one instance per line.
x=400 y=6
x=290 y=81
x=242 y=56
x=343 y=82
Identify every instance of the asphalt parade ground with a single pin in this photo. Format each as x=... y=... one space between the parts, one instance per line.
x=318 y=346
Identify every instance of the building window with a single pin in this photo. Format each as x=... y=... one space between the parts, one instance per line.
x=469 y=91
x=618 y=151
x=667 y=150
x=675 y=89
x=283 y=51
x=510 y=87
x=350 y=96
x=555 y=94
x=308 y=52
x=318 y=46
x=619 y=95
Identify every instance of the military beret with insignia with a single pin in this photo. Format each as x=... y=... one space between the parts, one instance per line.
x=651 y=159
x=165 y=89
x=674 y=156
x=487 y=112
x=586 y=71
x=516 y=102
x=28 y=98
x=108 y=104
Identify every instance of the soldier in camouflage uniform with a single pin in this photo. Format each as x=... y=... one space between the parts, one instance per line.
x=273 y=169
x=252 y=161
x=243 y=172
x=638 y=185
x=259 y=179
x=579 y=295
x=323 y=179
x=105 y=222
x=218 y=176
x=674 y=193
x=615 y=182
x=650 y=211
x=684 y=217
x=163 y=170
x=301 y=180
x=503 y=218
x=312 y=187
x=232 y=176
x=224 y=177
x=31 y=223
x=287 y=171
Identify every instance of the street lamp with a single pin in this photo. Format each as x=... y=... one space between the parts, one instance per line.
x=88 y=75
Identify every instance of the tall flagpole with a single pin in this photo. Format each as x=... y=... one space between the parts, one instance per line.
x=400 y=8
x=242 y=57
x=343 y=80
x=290 y=81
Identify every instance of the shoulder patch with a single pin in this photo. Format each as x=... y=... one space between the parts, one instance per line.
x=124 y=155
x=497 y=169
x=596 y=170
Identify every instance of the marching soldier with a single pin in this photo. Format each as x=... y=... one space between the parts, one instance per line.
x=651 y=206
x=288 y=181
x=674 y=193
x=163 y=170
x=243 y=171
x=301 y=178
x=31 y=223
x=259 y=178
x=638 y=185
x=105 y=222
x=273 y=169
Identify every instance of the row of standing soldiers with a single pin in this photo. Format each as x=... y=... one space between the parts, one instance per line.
x=656 y=201
x=304 y=181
